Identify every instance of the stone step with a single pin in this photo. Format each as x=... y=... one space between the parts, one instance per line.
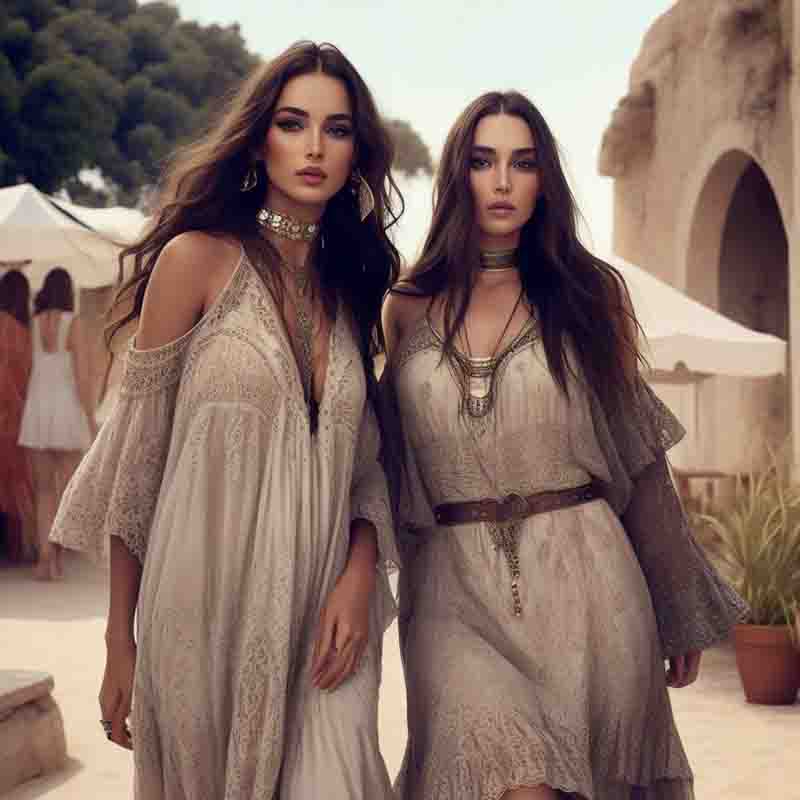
x=32 y=741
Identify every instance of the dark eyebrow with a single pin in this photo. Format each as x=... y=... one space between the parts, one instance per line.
x=291 y=110
x=490 y=151
x=298 y=112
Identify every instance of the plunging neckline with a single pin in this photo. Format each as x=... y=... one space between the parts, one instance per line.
x=287 y=341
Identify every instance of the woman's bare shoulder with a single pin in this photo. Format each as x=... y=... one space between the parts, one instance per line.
x=404 y=306
x=189 y=271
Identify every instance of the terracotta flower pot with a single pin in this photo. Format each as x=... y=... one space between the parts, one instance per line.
x=769 y=664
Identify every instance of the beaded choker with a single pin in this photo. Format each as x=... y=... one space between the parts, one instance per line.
x=286 y=226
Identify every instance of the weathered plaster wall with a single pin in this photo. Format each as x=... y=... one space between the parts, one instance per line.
x=712 y=94
x=712 y=77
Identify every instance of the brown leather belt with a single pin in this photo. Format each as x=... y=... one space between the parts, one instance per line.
x=514 y=507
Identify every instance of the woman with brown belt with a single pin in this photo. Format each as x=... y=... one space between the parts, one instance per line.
x=549 y=569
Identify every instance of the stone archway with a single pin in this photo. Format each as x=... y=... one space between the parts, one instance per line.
x=753 y=282
x=736 y=257
x=737 y=261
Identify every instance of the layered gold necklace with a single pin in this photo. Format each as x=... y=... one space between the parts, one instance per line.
x=295 y=230
x=478 y=377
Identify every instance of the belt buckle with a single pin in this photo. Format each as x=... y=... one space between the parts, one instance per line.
x=516 y=506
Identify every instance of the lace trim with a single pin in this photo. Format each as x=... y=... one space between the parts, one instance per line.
x=420 y=339
x=155 y=369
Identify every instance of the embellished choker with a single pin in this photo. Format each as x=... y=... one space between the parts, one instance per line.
x=498 y=259
x=286 y=226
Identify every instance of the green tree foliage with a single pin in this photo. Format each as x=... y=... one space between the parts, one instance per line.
x=412 y=154
x=117 y=85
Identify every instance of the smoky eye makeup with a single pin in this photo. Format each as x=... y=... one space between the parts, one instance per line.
x=288 y=122
x=340 y=130
x=529 y=163
x=479 y=160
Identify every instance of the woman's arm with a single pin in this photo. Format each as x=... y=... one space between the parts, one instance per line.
x=175 y=298
x=116 y=692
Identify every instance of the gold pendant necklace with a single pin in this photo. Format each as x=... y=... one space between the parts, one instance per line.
x=477 y=375
x=287 y=226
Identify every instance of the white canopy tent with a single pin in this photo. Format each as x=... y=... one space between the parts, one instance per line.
x=708 y=369
x=118 y=223
x=681 y=331
x=37 y=235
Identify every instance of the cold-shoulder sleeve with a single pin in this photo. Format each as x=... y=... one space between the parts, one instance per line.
x=115 y=489
x=694 y=607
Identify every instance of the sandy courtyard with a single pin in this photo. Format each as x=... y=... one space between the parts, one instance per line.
x=738 y=752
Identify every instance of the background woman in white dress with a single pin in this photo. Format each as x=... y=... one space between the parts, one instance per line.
x=237 y=477
x=58 y=421
x=549 y=568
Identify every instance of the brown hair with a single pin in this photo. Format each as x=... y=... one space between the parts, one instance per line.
x=575 y=295
x=201 y=192
x=56 y=292
x=15 y=296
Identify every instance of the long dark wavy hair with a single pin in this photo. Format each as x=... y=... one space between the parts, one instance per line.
x=15 y=296
x=576 y=297
x=357 y=261
x=56 y=292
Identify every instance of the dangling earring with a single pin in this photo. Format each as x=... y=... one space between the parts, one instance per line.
x=363 y=193
x=250 y=179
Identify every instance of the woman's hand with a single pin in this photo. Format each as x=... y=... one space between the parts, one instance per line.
x=344 y=627
x=117 y=690
x=683 y=670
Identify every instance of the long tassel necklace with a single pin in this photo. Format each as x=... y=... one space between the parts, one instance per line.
x=302 y=298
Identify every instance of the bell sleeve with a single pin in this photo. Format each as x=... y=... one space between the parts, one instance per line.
x=694 y=607
x=369 y=501
x=115 y=489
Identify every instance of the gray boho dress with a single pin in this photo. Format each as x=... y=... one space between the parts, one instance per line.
x=572 y=692
x=208 y=472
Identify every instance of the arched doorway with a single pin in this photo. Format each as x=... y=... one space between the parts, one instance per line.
x=737 y=260
x=753 y=283
x=738 y=263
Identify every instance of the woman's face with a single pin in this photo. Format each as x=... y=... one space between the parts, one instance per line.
x=504 y=179
x=309 y=150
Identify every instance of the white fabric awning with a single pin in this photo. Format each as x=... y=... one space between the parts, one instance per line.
x=121 y=224
x=34 y=230
x=681 y=331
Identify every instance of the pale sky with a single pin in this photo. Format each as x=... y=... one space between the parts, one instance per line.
x=425 y=61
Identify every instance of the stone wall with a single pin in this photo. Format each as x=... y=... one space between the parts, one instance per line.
x=701 y=150
x=712 y=76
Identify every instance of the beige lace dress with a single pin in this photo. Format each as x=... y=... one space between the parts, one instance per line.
x=207 y=470
x=572 y=692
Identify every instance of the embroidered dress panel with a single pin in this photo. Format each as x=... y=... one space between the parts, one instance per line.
x=208 y=472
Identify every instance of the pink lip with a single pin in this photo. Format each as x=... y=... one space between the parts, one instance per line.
x=312 y=172
x=502 y=207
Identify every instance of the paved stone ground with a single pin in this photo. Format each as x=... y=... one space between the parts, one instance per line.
x=739 y=752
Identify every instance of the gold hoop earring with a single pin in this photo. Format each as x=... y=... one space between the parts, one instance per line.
x=250 y=179
x=363 y=194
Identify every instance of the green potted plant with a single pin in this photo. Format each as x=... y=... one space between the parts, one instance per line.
x=756 y=544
